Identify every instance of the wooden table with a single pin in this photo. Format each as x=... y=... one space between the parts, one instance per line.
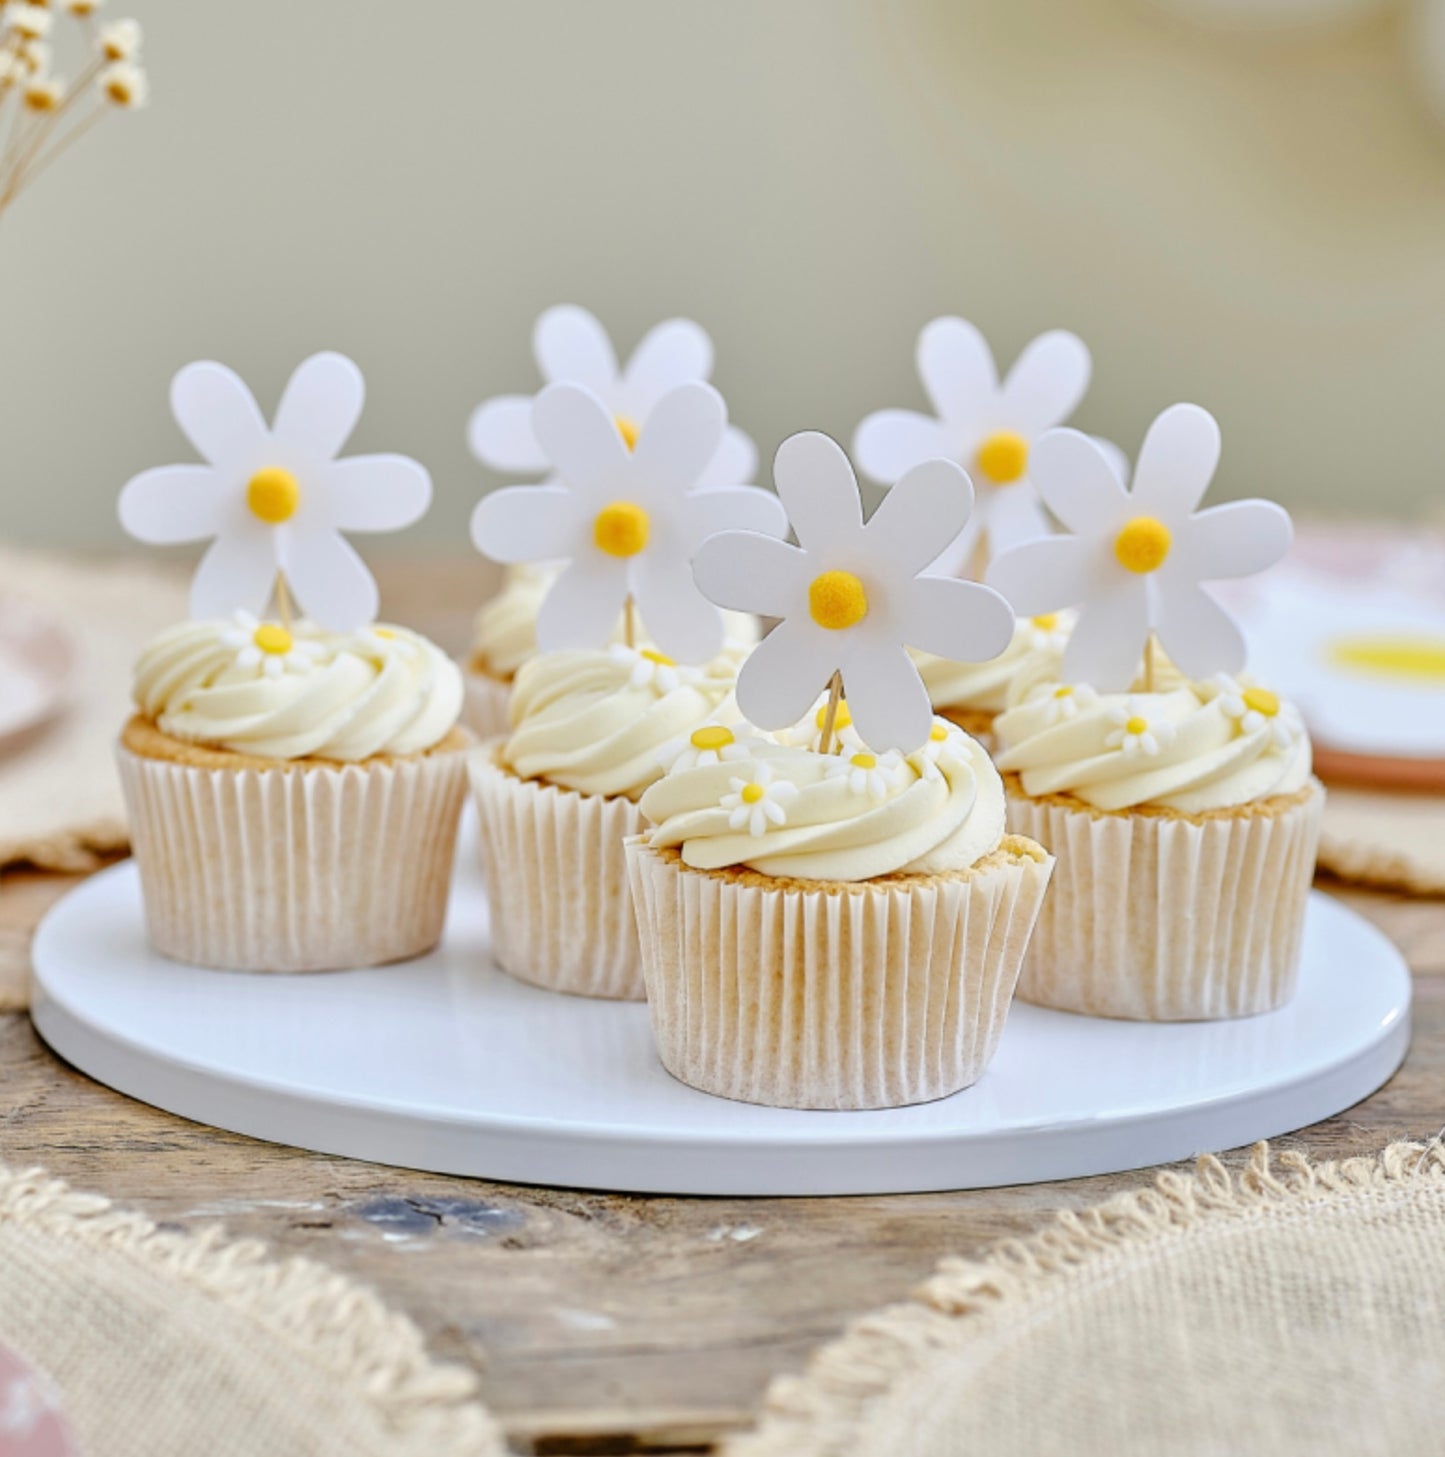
x=599 y=1323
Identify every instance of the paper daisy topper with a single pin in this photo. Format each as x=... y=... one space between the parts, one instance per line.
x=1134 y=561
x=853 y=596
x=275 y=499
x=625 y=517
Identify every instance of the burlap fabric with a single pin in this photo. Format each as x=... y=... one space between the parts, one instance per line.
x=1282 y=1308
x=169 y=1345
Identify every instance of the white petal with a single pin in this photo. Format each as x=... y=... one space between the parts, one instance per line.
x=249 y=657
x=963 y=621
x=1049 y=574
x=1046 y=383
x=528 y=524
x=331 y=581
x=681 y=436
x=217 y=412
x=734 y=464
x=378 y=492
x=175 y=503
x=739 y=817
x=956 y=559
x=784 y=674
x=320 y=406
x=1107 y=644
x=500 y=435
x=1118 y=461
x=1015 y=516
x=570 y=345
x=1237 y=539
x=1077 y=482
x=891 y=442
x=817 y=487
x=579 y=437
x=584 y=603
x=238 y=570
x=738 y=508
x=1176 y=464
x=957 y=369
x=887 y=698
x=774 y=811
x=680 y=620
x=920 y=516
x=1198 y=634
x=752 y=573
x=675 y=352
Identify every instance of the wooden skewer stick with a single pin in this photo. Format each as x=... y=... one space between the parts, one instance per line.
x=830 y=713
x=629 y=622
x=1149 y=646
x=283 y=600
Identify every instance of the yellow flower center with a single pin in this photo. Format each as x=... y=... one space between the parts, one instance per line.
x=621 y=529
x=1047 y=621
x=1137 y=725
x=1142 y=545
x=1261 y=700
x=385 y=632
x=1003 y=457
x=1064 y=691
x=628 y=429
x=712 y=736
x=841 y=720
x=938 y=733
x=752 y=793
x=653 y=656
x=837 y=600
x=273 y=495
x=1409 y=659
x=863 y=761
x=271 y=637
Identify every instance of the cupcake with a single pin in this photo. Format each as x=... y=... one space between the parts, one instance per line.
x=293 y=794
x=972 y=695
x=1185 y=822
x=591 y=731
x=832 y=930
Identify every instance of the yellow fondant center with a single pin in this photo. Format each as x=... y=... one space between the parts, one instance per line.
x=712 y=736
x=273 y=495
x=1415 y=659
x=1142 y=545
x=628 y=429
x=653 y=656
x=837 y=600
x=1003 y=457
x=385 y=632
x=752 y=793
x=938 y=733
x=1063 y=691
x=864 y=761
x=1047 y=622
x=1137 y=725
x=621 y=529
x=1261 y=700
x=271 y=637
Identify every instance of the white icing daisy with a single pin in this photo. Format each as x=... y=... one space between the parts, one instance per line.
x=869 y=773
x=1254 y=708
x=945 y=746
x=1062 y=701
x=648 y=668
x=1136 y=732
x=269 y=647
x=758 y=800
x=710 y=743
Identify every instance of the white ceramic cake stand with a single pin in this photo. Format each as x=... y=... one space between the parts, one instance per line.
x=447 y=1064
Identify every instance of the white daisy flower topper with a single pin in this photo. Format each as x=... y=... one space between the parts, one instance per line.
x=1134 y=560
x=275 y=499
x=626 y=520
x=853 y=596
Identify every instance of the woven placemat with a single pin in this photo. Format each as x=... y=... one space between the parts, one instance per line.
x=160 y=1344
x=1283 y=1308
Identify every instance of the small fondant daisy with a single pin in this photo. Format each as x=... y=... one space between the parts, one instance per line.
x=1254 y=708
x=757 y=800
x=269 y=646
x=383 y=642
x=945 y=745
x=1135 y=732
x=710 y=743
x=1062 y=701
x=1047 y=633
x=869 y=773
x=648 y=668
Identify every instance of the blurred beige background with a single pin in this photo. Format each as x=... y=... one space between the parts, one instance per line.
x=1251 y=221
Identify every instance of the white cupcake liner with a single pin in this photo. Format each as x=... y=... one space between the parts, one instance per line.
x=874 y=996
x=557 y=883
x=486 y=704
x=1160 y=919
x=294 y=869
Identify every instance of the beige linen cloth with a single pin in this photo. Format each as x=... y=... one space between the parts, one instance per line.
x=1285 y=1308
x=161 y=1344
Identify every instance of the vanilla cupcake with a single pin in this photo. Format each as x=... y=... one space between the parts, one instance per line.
x=505 y=637
x=591 y=731
x=832 y=930
x=972 y=695
x=1185 y=821
x=293 y=794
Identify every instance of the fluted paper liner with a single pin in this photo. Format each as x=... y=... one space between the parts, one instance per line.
x=557 y=883
x=1165 y=919
x=486 y=705
x=870 y=996
x=313 y=869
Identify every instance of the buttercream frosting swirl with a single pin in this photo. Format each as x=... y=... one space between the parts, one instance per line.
x=791 y=811
x=1191 y=747
x=257 y=688
x=505 y=633
x=600 y=721
x=985 y=686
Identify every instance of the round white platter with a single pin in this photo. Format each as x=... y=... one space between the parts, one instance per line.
x=446 y=1064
